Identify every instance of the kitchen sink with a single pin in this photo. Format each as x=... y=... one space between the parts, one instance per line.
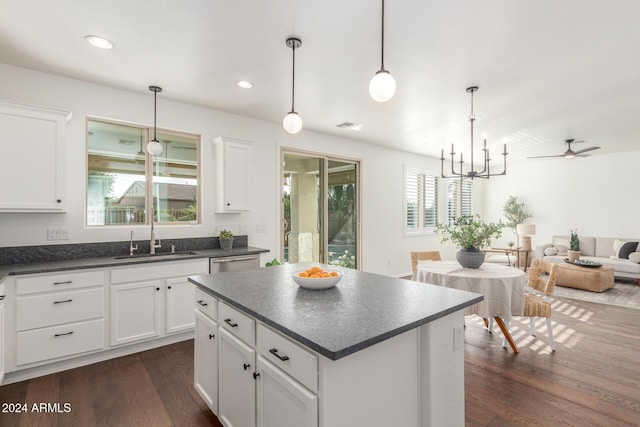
x=162 y=255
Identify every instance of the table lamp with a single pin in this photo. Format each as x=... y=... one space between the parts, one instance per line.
x=525 y=231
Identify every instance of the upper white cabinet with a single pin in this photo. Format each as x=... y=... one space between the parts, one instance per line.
x=233 y=175
x=32 y=165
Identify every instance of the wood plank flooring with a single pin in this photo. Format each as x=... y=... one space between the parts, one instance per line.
x=593 y=379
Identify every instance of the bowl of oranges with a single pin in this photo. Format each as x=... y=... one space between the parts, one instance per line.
x=316 y=278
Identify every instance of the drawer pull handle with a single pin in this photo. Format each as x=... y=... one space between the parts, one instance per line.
x=67 y=282
x=2 y=297
x=228 y=322
x=256 y=375
x=60 y=302
x=246 y=366
x=274 y=351
x=202 y=303
x=211 y=336
x=66 y=333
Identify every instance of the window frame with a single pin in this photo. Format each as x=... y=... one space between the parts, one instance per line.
x=147 y=131
x=421 y=229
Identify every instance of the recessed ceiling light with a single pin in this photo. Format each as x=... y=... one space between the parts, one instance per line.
x=99 y=42
x=244 y=84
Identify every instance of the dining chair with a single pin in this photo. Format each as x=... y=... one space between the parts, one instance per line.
x=420 y=256
x=541 y=285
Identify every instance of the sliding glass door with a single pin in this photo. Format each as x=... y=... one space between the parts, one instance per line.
x=320 y=209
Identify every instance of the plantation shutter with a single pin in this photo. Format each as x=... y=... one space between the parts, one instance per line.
x=459 y=199
x=421 y=200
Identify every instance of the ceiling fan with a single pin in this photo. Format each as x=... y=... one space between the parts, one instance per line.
x=570 y=154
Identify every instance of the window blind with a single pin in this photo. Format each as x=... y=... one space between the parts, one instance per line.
x=421 y=200
x=459 y=199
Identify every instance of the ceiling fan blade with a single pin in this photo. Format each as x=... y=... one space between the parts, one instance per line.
x=542 y=157
x=587 y=149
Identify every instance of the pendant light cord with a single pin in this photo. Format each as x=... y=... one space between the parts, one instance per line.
x=382 y=43
x=293 y=80
x=155 y=108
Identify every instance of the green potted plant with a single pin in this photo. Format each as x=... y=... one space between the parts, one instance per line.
x=471 y=234
x=515 y=213
x=574 y=247
x=226 y=239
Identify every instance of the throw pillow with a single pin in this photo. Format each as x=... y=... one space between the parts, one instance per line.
x=634 y=257
x=617 y=244
x=626 y=249
x=563 y=245
x=551 y=251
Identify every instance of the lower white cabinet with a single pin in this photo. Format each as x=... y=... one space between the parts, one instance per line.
x=237 y=383
x=1 y=334
x=179 y=294
x=282 y=401
x=205 y=377
x=135 y=311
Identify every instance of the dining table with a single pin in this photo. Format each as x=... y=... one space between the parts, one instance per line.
x=503 y=288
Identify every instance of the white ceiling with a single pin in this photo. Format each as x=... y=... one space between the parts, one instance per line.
x=547 y=69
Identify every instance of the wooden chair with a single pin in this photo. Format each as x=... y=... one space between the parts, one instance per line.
x=541 y=284
x=419 y=256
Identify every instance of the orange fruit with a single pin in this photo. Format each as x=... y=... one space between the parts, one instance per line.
x=303 y=274
x=315 y=269
x=334 y=273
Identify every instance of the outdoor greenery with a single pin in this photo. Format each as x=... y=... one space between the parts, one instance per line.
x=574 y=242
x=470 y=232
x=344 y=260
x=515 y=212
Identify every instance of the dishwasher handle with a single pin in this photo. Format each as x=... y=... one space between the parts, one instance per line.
x=232 y=259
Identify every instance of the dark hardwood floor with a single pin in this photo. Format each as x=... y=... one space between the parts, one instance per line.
x=593 y=379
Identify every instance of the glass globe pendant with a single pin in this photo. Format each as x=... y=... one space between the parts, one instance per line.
x=292 y=122
x=154 y=147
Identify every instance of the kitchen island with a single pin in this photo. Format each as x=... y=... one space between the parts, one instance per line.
x=374 y=350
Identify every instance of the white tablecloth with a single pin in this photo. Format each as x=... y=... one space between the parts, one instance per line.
x=502 y=286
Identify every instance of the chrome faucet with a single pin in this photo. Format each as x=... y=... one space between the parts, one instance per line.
x=152 y=243
x=131 y=247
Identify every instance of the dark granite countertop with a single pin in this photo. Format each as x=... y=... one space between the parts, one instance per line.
x=110 y=261
x=362 y=310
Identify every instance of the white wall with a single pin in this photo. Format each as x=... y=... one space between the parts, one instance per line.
x=385 y=249
x=597 y=195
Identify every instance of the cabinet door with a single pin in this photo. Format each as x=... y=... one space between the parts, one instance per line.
x=135 y=311
x=237 y=385
x=282 y=401
x=36 y=137
x=205 y=369
x=233 y=175
x=179 y=297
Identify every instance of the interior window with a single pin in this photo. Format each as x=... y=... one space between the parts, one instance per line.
x=124 y=182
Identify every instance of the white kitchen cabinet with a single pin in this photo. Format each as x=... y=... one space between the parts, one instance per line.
x=2 y=348
x=179 y=295
x=205 y=368
x=33 y=172
x=282 y=401
x=233 y=175
x=237 y=384
x=135 y=311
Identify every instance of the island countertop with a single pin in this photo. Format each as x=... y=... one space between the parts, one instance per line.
x=362 y=310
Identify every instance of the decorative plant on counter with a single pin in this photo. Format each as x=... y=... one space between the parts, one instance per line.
x=226 y=239
x=272 y=263
x=470 y=234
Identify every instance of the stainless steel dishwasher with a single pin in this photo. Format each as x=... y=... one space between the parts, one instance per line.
x=234 y=263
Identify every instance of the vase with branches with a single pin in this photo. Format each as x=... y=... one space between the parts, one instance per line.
x=515 y=213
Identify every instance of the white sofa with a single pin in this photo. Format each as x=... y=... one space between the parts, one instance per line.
x=597 y=249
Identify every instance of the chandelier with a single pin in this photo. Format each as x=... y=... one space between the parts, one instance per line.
x=472 y=173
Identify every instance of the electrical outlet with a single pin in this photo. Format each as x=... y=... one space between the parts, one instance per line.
x=261 y=228
x=458 y=338
x=242 y=229
x=57 y=233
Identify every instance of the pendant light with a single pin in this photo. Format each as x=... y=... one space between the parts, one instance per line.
x=154 y=147
x=292 y=122
x=382 y=86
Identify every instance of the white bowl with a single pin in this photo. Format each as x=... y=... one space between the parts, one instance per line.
x=316 y=283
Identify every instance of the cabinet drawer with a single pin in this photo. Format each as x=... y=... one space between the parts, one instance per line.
x=57 y=308
x=59 y=341
x=207 y=304
x=59 y=282
x=240 y=325
x=160 y=270
x=299 y=363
